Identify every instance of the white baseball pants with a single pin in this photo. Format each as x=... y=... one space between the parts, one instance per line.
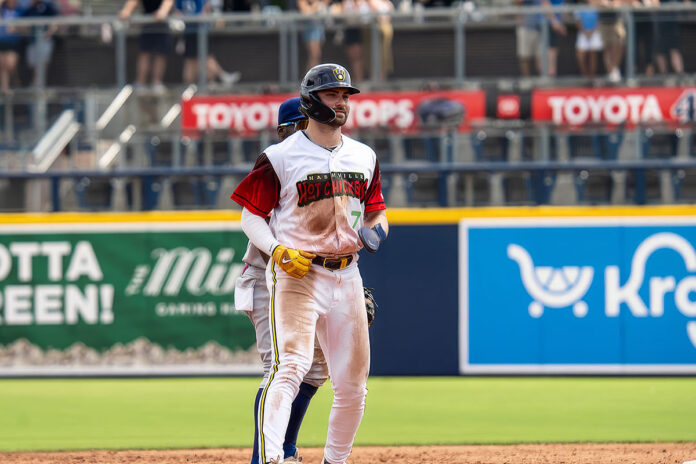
x=330 y=304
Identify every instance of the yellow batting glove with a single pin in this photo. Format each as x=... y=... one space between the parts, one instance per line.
x=294 y=262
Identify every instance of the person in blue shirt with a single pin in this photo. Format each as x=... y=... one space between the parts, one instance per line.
x=190 y=71
x=40 y=47
x=10 y=44
x=529 y=40
x=588 y=43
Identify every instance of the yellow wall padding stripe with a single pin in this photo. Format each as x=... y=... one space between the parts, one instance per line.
x=271 y=374
x=153 y=216
x=396 y=216
x=404 y=216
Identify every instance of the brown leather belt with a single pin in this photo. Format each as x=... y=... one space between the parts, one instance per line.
x=333 y=264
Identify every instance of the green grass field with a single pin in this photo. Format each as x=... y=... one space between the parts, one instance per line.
x=185 y=413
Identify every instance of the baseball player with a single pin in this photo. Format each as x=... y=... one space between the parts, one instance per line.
x=325 y=194
x=251 y=295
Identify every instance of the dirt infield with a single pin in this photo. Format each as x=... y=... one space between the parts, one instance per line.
x=643 y=453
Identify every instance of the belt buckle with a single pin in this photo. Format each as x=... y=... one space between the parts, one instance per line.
x=323 y=264
x=344 y=263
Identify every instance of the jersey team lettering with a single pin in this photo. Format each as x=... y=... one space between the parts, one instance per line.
x=327 y=185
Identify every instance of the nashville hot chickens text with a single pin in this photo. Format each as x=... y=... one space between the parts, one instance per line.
x=327 y=185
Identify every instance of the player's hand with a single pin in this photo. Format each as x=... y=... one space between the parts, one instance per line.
x=294 y=262
x=372 y=238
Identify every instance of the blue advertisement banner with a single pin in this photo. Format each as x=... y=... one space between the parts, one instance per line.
x=602 y=295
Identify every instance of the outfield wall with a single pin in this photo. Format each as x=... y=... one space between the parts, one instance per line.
x=460 y=291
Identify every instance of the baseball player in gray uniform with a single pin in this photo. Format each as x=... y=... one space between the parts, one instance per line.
x=324 y=192
x=251 y=295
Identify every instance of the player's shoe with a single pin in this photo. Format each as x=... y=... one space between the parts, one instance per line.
x=229 y=79
x=295 y=459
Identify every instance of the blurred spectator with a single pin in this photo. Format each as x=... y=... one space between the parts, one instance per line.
x=154 y=42
x=384 y=8
x=435 y=3
x=613 y=33
x=588 y=43
x=41 y=43
x=644 y=36
x=556 y=30
x=190 y=71
x=353 y=35
x=240 y=5
x=669 y=39
x=10 y=44
x=529 y=39
x=69 y=7
x=314 y=30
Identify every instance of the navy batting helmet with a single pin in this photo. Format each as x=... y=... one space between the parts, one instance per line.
x=323 y=77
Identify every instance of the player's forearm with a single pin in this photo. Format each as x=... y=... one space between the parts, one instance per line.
x=259 y=233
x=377 y=217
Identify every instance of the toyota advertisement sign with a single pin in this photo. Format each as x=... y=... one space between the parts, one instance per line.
x=615 y=106
x=578 y=296
x=394 y=111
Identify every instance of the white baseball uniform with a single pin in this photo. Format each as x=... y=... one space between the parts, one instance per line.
x=251 y=296
x=319 y=198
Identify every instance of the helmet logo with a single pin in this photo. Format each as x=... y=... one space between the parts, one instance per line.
x=340 y=75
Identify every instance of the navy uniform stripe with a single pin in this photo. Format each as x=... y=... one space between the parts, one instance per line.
x=274 y=369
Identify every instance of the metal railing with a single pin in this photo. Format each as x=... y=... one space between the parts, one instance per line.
x=287 y=27
x=452 y=169
x=485 y=167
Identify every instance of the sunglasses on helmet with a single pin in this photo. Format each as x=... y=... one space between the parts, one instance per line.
x=300 y=124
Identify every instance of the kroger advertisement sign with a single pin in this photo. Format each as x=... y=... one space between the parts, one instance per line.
x=605 y=295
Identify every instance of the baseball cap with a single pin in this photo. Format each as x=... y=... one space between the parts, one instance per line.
x=289 y=111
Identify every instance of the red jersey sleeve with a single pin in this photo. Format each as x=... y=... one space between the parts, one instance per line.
x=374 y=201
x=259 y=191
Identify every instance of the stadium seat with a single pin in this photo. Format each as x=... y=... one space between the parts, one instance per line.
x=657 y=143
x=474 y=189
x=251 y=149
x=596 y=186
x=159 y=151
x=490 y=146
x=93 y=194
x=684 y=181
x=221 y=152
x=598 y=145
x=428 y=188
x=643 y=186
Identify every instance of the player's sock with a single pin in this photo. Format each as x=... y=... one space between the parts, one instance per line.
x=255 y=450
x=297 y=413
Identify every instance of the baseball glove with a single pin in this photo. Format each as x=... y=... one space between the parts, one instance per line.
x=370 y=305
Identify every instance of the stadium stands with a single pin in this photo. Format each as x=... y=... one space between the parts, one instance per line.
x=540 y=153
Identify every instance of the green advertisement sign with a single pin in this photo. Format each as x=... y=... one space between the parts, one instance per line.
x=140 y=298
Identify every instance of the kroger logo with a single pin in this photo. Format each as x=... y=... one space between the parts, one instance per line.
x=567 y=285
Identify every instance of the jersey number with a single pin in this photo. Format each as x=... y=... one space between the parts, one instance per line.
x=357 y=217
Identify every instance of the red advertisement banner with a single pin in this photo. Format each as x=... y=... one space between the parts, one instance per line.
x=615 y=106
x=394 y=111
